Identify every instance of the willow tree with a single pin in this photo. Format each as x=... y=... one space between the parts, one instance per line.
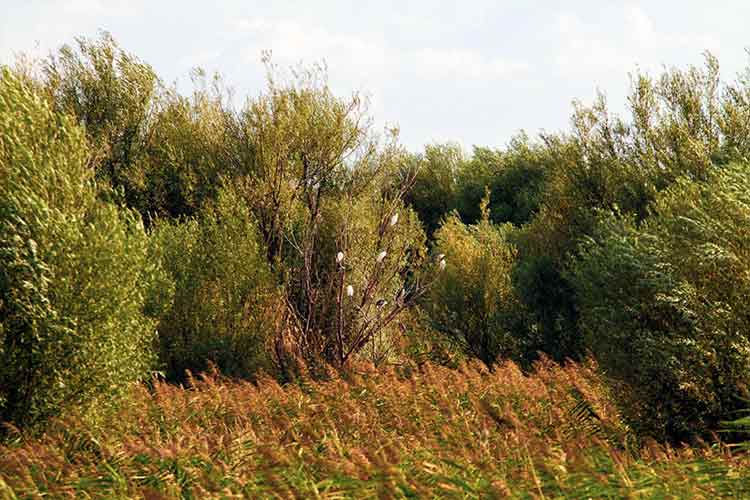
x=74 y=271
x=111 y=93
x=325 y=186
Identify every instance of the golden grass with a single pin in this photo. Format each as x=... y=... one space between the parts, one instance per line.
x=437 y=432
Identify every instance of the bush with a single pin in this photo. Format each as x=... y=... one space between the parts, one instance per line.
x=664 y=305
x=222 y=312
x=473 y=301
x=73 y=270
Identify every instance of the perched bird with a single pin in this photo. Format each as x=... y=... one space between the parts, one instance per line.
x=339 y=257
x=442 y=264
x=350 y=290
x=381 y=256
x=394 y=219
x=440 y=257
x=381 y=303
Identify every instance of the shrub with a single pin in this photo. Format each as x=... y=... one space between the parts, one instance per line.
x=473 y=301
x=222 y=312
x=73 y=270
x=664 y=304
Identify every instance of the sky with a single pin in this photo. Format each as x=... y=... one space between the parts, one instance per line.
x=471 y=72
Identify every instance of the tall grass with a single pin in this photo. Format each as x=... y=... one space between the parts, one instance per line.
x=433 y=432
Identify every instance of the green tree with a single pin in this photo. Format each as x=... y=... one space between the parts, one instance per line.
x=195 y=144
x=111 y=94
x=74 y=271
x=681 y=124
x=663 y=304
x=434 y=194
x=515 y=178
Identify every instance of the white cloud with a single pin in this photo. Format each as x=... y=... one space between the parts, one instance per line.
x=44 y=26
x=645 y=33
x=292 y=42
x=473 y=70
x=591 y=48
x=465 y=64
x=365 y=59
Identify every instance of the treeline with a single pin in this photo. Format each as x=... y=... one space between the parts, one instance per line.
x=143 y=230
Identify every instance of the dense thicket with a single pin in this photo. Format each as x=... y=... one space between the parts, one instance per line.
x=221 y=306
x=663 y=303
x=74 y=272
x=286 y=235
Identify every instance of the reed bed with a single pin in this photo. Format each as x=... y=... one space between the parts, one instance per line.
x=433 y=432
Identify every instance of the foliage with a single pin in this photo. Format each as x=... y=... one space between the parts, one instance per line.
x=474 y=301
x=515 y=178
x=166 y=152
x=680 y=125
x=287 y=234
x=380 y=243
x=447 y=180
x=194 y=145
x=223 y=307
x=552 y=313
x=434 y=193
x=323 y=185
x=110 y=93
x=663 y=304
x=73 y=270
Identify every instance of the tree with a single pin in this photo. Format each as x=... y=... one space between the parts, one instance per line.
x=225 y=301
x=663 y=304
x=473 y=301
x=323 y=184
x=434 y=194
x=74 y=270
x=110 y=93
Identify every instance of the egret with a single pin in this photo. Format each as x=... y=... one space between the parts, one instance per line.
x=350 y=290
x=381 y=256
x=339 y=257
x=394 y=219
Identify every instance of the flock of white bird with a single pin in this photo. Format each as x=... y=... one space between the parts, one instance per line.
x=381 y=256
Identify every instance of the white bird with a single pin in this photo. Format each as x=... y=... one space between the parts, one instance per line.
x=339 y=257
x=394 y=219
x=350 y=290
x=440 y=257
x=442 y=264
x=381 y=256
x=381 y=303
